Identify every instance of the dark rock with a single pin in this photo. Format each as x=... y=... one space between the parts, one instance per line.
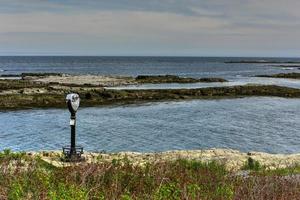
x=261 y=61
x=88 y=96
x=211 y=80
x=293 y=75
x=155 y=79
x=40 y=74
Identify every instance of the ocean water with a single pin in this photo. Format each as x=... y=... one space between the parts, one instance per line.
x=248 y=124
x=183 y=66
x=236 y=73
x=260 y=124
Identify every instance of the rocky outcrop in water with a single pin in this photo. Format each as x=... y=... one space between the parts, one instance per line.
x=20 y=94
x=174 y=79
x=282 y=75
x=261 y=62
x=50 y=91
x=107 y=81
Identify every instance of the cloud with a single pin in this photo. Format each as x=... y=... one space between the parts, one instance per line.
x=156 y=26
x=105 y=27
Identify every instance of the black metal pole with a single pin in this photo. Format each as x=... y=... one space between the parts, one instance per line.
x=73 y=134
x=72 y=152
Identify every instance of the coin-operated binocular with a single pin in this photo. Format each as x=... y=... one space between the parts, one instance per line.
x=73 y=153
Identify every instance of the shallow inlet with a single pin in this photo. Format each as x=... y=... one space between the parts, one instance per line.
x=249 y=124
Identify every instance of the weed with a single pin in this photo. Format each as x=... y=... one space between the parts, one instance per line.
x=252 y=164
x=121 y=179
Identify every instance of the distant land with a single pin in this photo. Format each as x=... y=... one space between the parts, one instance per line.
x=262 y=61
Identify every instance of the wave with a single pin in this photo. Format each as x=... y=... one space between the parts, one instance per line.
x=287 y=68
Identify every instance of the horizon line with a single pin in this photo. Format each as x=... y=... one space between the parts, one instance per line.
x=183 y=56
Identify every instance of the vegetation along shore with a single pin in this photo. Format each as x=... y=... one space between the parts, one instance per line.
x=200 y=174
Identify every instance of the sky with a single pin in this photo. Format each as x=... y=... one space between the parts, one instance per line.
x=150 y=27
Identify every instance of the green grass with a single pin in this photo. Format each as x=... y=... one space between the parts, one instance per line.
x=254 y=166
x=24 y=177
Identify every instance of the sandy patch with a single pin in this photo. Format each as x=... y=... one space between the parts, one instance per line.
x=94 y=80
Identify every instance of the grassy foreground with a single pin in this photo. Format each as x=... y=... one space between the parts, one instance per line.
x=27 y=177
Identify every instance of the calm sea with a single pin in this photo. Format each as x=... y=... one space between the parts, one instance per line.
x=258 y=124
x=184 y=66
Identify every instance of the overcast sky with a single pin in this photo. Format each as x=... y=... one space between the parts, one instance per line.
x=150 y=27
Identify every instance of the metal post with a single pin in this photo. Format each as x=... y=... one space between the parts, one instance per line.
x=72 y=152
x=73 y=134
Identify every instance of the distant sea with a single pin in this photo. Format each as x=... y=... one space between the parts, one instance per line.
x=183 y=66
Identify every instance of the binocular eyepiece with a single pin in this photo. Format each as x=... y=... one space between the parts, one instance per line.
x=73 y=102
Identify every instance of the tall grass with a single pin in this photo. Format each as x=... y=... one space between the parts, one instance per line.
x=23 y=177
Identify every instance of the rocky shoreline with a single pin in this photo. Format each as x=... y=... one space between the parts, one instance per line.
x=107 y=81
x=260 y=62
x=51 y=97
x=293 y=75
x=49 y=91
x=232 y=159
x=175 y=79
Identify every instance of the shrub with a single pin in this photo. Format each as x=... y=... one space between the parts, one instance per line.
x=252 y=164
x=168 y=191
